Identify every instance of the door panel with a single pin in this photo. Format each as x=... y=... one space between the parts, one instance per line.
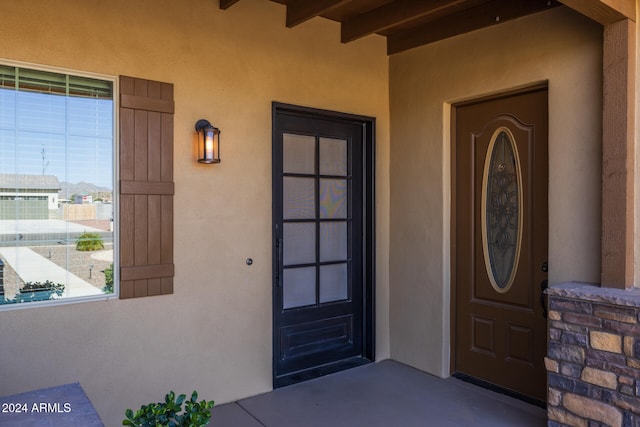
x=322 y=211
x=501 y=239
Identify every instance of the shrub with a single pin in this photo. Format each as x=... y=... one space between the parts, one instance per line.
x=108 y=280
x=89 y=242
x=163 y=414
x=48 y=285
x=36 y=291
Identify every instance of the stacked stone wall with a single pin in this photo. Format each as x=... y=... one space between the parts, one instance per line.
x=593 y=357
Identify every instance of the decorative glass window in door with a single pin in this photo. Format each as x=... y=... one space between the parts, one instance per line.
x=502 y=210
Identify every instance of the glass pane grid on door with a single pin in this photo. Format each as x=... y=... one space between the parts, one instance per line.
x=316 y=221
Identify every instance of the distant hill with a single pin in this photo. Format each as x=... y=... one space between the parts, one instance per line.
x=82 y=188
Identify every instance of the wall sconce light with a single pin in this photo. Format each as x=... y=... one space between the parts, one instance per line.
x=208 y=142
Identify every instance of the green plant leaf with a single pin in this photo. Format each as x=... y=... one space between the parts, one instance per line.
x=167 y=413
x=181 y=399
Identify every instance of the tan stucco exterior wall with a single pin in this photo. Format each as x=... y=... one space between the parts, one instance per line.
x=637 y=155
x=214 y=334
x=558 y=46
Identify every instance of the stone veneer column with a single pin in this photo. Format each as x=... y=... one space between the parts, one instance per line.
x=593 y=361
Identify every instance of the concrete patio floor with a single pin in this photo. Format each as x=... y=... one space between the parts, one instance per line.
x=379 y=394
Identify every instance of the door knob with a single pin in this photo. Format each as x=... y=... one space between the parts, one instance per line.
x=543 y=286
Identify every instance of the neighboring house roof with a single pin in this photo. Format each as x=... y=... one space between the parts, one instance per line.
x=29 y=182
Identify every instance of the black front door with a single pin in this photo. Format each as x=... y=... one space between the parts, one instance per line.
x=323 y=242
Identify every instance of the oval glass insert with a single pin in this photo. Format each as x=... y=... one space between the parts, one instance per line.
x=502 y=210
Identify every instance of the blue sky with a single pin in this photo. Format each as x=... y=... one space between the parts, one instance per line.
x=75 y=133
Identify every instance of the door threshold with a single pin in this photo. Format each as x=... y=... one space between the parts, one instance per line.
x=319 y=371
x=497 y=389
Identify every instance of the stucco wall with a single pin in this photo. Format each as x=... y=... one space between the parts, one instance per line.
x=637 y=155
x=557 y=46
x=214 y=334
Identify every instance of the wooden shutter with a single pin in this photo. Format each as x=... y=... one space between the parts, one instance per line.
x=146 y=188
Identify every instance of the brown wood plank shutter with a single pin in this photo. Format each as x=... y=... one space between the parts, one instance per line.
x=146 y=188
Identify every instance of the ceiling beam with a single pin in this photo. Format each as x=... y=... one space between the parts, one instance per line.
x=390 y=15
x=491 y=13
x=604 y=11
x=226 y=4
x=299 y=11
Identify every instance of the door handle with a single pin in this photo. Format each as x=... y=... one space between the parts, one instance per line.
x=278 y=261
x=543 y=287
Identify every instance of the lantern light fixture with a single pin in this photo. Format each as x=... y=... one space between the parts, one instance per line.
x=208 y=142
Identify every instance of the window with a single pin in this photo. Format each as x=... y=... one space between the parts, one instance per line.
x=57 y=175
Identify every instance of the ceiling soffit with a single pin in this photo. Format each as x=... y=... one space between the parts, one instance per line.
x=407 y=24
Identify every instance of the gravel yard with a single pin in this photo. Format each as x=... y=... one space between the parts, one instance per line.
x=11 y=281
x=87 y=265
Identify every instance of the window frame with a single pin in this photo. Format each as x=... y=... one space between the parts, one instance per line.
x=115 y=150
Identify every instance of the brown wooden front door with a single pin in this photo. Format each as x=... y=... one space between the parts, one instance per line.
x=500 y=236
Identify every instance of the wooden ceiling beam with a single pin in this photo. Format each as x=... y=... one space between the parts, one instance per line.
x=491 y=13
x=226 y=4
x=300 y=11
x=390 y=15
x=604 y=11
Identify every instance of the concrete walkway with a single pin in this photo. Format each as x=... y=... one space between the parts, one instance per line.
x=384 y=394
x=32 y=267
